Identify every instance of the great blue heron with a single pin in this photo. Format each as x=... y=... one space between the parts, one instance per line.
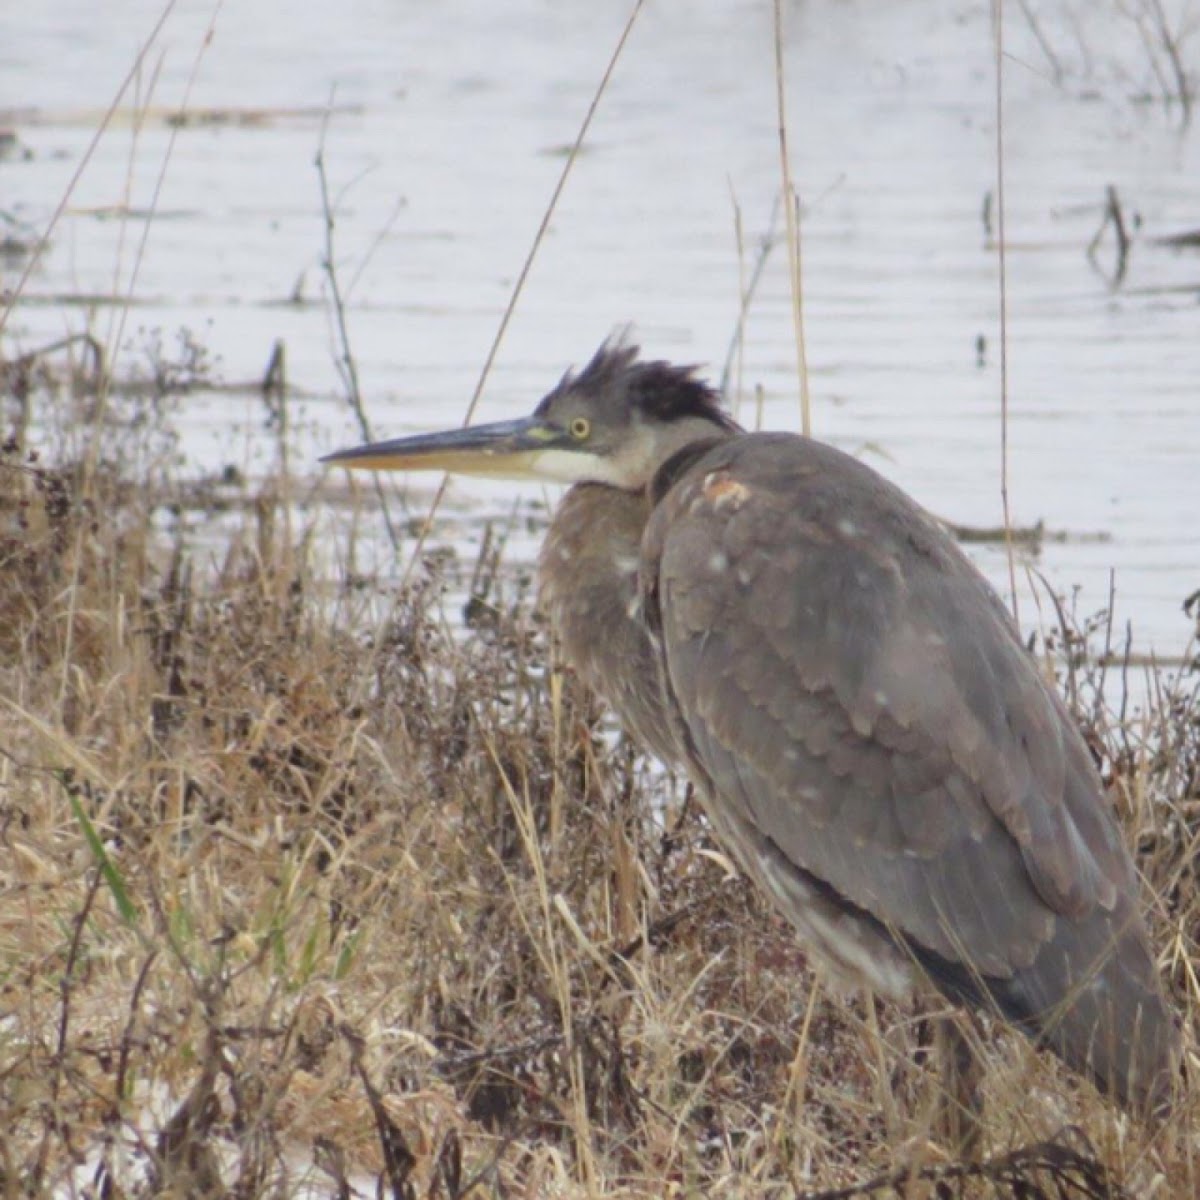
x=866 y=731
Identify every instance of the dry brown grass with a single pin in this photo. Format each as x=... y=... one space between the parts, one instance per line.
x=299 y=890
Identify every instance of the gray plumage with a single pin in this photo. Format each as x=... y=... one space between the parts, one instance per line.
x=866 y=732
x=857 y=704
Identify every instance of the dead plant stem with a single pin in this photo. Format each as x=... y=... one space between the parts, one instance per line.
x=1001 y=246
x=92 y=459
x=42 y=242
x=58 y=1066
x=748 y=287
x=346 y=362
x=527 y=265
x=1171 y=45
x=791 y=203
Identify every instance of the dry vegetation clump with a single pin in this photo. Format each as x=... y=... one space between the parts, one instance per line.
x=302 y=894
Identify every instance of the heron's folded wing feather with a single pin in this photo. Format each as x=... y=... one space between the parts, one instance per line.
x=848 y=680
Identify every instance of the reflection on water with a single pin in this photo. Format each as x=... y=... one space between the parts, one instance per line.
x=446 y=137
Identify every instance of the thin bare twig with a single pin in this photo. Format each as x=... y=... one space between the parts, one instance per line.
x=791 y=203
x=1041 y=39
x=766 y=244
x=398 y=1159
x=64 y=1024
x=1071 y=682
x=92 y=460
x=346 y=364
x=1001 y=247
x=1018 y=1173
x=527 y=265
x=118 y=332
x=400 y=205
x=1116 y=218
x=42 y=242
x=1106 y=657
x=737 y=345
x=1170 y=44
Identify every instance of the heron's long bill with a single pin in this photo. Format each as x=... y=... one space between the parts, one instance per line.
x=501 y=450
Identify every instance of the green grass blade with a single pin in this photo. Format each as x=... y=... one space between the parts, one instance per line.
x=112 y=875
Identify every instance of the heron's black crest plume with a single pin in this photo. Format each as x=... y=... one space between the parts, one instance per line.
x=661 y=390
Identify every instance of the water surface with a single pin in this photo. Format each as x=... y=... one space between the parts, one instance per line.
x=447 y=133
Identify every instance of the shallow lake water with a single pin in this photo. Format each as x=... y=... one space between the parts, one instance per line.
x=447 y=129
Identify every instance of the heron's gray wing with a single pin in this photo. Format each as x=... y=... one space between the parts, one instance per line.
x=851 y=688
x=874 y=739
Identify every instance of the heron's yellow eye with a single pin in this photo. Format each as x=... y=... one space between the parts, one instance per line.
x=580 y=428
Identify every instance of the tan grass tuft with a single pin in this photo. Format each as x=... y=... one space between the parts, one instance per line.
x=291 y=896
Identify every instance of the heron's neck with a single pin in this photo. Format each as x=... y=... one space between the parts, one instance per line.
x=588 y=577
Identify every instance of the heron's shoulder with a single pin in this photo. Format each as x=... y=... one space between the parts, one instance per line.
x=776 y=462
x=787 y=482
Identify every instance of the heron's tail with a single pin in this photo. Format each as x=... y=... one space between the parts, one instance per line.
x=1093 y=997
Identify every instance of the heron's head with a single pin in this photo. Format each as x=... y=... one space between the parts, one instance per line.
x=615 y=422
